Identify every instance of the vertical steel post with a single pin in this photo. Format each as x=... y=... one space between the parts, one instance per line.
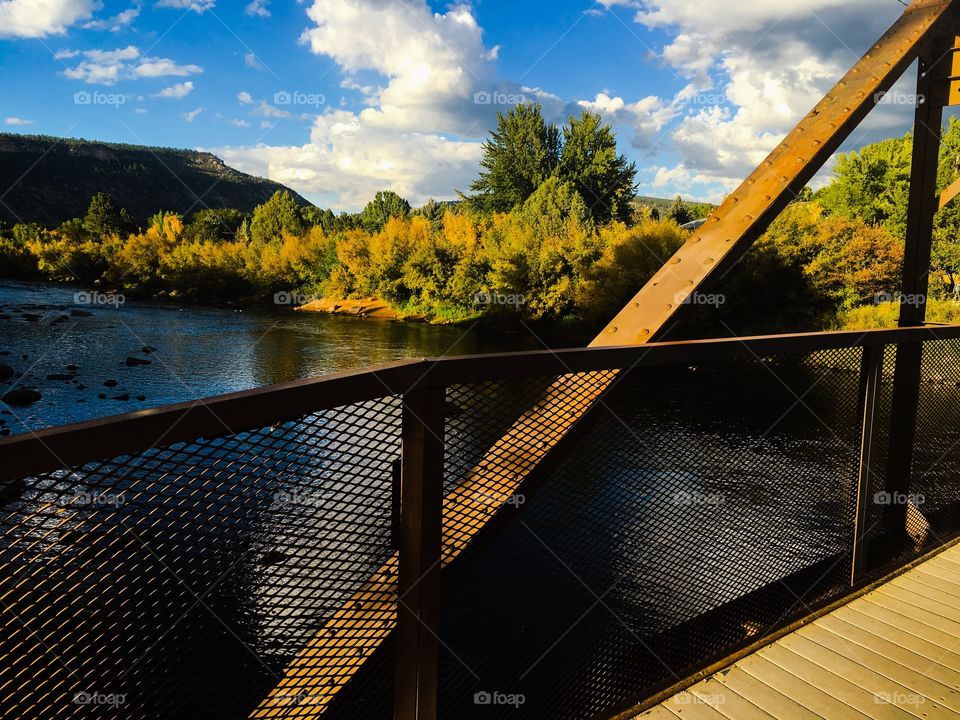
x=418 y=588
x=396 y=470
x=932 y=88
x=870 y=376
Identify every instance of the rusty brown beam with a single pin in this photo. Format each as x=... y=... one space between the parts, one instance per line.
x=949 y=194
x=748 y=211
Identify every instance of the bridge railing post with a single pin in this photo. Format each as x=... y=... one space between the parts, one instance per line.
x=932 y=86
x=420 y=536
x=871 y=374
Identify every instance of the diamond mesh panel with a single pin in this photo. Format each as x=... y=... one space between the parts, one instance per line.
x=703 y=506
x=934 y=512
x=933 y=499
x=693 y=510
x=180 y=582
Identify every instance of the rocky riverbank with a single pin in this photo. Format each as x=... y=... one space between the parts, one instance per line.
x=367 y=308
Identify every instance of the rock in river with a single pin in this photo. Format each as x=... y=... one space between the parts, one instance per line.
x=131 y=361
x=21 y=396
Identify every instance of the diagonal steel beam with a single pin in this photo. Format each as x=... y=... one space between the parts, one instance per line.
x=748 y=211
x=349 y=637
x=949 y=194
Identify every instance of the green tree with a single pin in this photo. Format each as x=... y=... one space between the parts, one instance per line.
x=554 y=205
x=680 y=212
x=213 y=225
x=432 y=211
x=872 y=185
x=276 y=216
x=385 y=205
x=314 y=216
x=589 y=160
x=521 y=153
x=946 y=234
x=103 y=218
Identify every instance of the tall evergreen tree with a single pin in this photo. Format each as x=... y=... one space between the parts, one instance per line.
x=276 y=216
x=521 y=153
x=589 y=160
x=385 y=205
x=680 y=212
x=104 y=219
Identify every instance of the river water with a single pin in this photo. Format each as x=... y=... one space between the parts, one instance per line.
x=200 y=351
x=693 y=490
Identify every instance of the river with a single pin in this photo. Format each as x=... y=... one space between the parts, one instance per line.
x=199 y=351
x=185 y=579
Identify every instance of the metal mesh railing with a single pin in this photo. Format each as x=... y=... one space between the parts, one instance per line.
x=179 y=582
x=687 y=518
x=607 y=521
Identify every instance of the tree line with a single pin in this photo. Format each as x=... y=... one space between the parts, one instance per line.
x=552 y=218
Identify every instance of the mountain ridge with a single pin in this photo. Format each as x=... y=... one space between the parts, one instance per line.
x=49 y=180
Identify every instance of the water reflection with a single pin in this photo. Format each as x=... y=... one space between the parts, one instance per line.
x=199 y=351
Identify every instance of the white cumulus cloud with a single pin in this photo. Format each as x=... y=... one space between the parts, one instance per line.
x=107 y=67
x=37 y=19
x=754 y=70
x=434 y=62
x=116 y=23
x=178 y=90
x=258 y=8
x=198 y=6
x=347 y=160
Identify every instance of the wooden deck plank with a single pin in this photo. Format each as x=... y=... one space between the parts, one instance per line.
x=727 y=702
x=949 y=600
x=906 y=633
x=930 y=608
x=933 y=580
x=790 y=685
x=658 y=712
x=892 y=654
x=943 y=574
x=914 y=678
x=761 y=695
x=949 y=561
x=692 y=707
x=897 y=651
x=880 y=681
x=916 y=626
x=837 y=686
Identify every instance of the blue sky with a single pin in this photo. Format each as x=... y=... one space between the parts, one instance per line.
x=340 y=98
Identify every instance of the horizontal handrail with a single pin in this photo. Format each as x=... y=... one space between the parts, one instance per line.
x=78 y=443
